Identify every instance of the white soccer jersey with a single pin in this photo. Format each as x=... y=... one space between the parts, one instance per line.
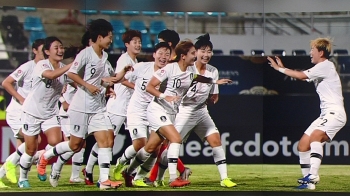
x=140 y=99
x=68 y=96
x=177 y=85
x=328 y=86
x=23 y=77
x=119 y=105
x=42 y=99
x=198 y=93
x=91 y=69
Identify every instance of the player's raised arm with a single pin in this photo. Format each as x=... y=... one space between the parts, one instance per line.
x=203 y=79
x=278 y=66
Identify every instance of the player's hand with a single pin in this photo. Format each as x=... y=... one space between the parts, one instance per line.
x=64 y=89
x=210 y=101
x=128 y=68
x=21 y=100
x=172 y=98
x=275 y=64
x=65 y=106
x=110 y=92
x=93 y=89
x=224 y=81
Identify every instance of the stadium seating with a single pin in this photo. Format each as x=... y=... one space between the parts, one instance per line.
x=175 y=13
x=146 y=41
x=216 y=13
x=156 y=26
x=118 y=26
x=32 y=23
x=257 y=52
x=28 y=9
x=278 y=52
x=36 y=35
x=196 y=14
x=151 y=13
x=217 y=52
x=130 y=13
x=338 y=52
x=236 y=52
x=109 y=12
x=9 y=21
x=118 y=42
x=89 y=12
x=138 y=25
x=299 y=53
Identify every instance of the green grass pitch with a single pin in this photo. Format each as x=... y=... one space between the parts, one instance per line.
x=249 y=177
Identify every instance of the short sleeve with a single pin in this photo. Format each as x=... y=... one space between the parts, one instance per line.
x=318 y=71
x=163 y=74
x=20 y=73
x=215 y=88
x=41 y=67
x=79 y=62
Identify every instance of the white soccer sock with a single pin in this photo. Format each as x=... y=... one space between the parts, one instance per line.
x=315 y=157
x=220 y=161
x=104 y=157
x=140 y=158
x=128 y=154
x=304 y=160
x=146 y=167
x=173 y=155
x=48 y=147
x=77 y=161
x=25 y=164
x=59 y=149
x=2 y=172
x=92 y=159
x=61 y=160
x=16 y=156
x=163 y=165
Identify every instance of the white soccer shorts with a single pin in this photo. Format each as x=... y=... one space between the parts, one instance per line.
x=198 y=121
x=83 y=124
x=330 y=123
x=157 y=117
x=138 y=125
x=32 y=126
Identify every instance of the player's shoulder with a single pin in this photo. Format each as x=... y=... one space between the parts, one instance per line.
x=211 y=68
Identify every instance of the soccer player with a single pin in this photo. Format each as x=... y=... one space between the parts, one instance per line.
x=332 y=117
x=162 y=110
x=18 y=84
x=172 y=38
x=193 y=114
x=87 y=109
x=65 y=99
x=137 y=109
x=40 y=111
x=116 y=108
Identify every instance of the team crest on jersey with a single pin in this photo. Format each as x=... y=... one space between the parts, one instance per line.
x=134 y=131
x=161 y=73
x=25 y=127
x=18 y=73
x=46 y=66
x=163 y=118
x=76 y=64
x=76 y=128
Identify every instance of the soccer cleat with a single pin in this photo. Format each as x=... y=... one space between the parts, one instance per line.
x=76 y=180
x=227 y=183
x=23 y=184
x=179 y=182
x=128 y=179
x=2 y=185
x=54 y=176
x=186 y=174
x=110 y=184
x=307 y=186
x=88 y=177
x=41 y=168
x=147 y=181
x=310 y=178
x=10 y=169
x=139 y=183
x=117 y=170
x=158 y=183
